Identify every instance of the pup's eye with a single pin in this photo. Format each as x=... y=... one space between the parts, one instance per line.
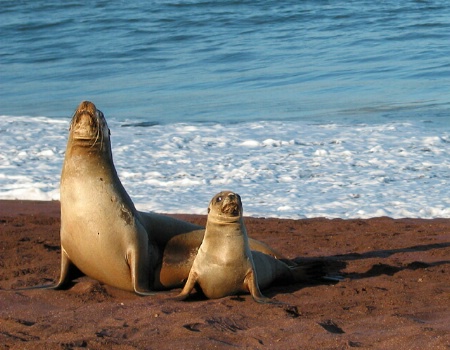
x=219 y=199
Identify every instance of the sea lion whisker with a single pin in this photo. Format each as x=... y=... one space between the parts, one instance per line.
x=97 y=137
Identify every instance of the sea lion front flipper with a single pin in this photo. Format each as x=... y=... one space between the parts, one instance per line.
x=143 y=292
x=190 y=284
x=139 y=270
x=68 y=273
x=251 y=282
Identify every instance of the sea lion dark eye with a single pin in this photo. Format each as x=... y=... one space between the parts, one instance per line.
x=219 y=199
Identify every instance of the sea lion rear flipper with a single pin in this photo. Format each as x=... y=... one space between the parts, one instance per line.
x=313 y=270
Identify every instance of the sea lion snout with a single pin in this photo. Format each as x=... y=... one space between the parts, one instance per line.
x=88 y=123
x=86 y=113
x=231 y=204
x=85 y=121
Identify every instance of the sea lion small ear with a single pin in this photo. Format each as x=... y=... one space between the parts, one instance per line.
x=209 y=209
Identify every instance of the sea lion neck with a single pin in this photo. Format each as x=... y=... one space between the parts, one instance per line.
x=90 y=150
x=218 y=217
x=82 y=157
x=231 y=225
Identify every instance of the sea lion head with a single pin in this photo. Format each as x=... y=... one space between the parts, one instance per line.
x=88 y=126
x=226 y=204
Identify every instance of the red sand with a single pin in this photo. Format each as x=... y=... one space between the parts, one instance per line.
x=395 y=295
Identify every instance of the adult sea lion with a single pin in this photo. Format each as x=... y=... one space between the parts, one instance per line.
x=102 y=233
x=225 y=265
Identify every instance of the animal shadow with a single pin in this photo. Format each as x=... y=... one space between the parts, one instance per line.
x=341 y=261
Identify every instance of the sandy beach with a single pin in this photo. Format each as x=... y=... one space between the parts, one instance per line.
x=395 y=293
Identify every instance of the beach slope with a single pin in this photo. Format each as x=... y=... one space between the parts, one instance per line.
x=395 y=293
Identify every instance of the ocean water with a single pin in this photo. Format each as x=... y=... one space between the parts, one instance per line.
x=311 y=108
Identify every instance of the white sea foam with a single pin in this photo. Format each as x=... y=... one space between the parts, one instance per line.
x=280 y=169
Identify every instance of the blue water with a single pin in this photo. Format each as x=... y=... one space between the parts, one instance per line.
x=230 y=61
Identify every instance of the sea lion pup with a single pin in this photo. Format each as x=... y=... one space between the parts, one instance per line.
x=102 y=233
x=225 y=265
